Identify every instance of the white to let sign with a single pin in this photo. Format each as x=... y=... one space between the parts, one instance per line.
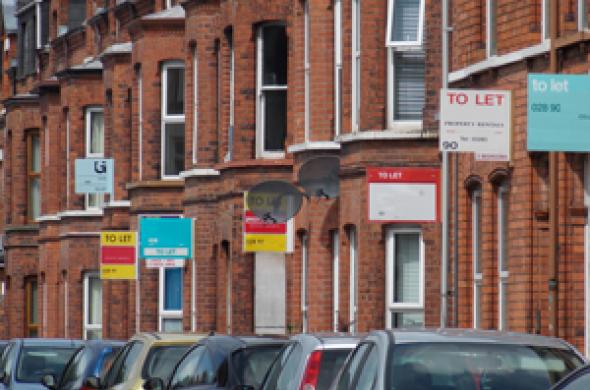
x=476 y=121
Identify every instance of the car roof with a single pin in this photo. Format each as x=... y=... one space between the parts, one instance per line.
x=473 y=336
x=330 y=339
x=228 y=343
x=164 y=338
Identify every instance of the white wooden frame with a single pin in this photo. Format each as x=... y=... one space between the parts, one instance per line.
x=87 y=325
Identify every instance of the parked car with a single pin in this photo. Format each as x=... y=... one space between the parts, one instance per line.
x=309 y=361
x=25 y=361
x=223 y=362
x=146 y=355
x=92 y=359
x=576 y=380
x=456 y=359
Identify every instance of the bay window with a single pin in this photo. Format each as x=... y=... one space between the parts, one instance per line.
x=172 y=119
x=33 y=176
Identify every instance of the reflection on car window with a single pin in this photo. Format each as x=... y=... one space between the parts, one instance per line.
x=350 y=372
x=282 y=373
x=161 y=361
x=332 y=361
x=124 y=366
x=8 y=358
x=197 y=368
x=252 y=363
x=75 y=368
x=477 y=366
x=35 y=362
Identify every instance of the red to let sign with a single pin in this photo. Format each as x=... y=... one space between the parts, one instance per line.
x=253 y=224
x=117 y=255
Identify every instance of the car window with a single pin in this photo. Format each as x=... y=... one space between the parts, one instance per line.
x=472 y=366
x=8 y=359
x=106 y=359
x=580 y=382
x=368 y=371
x=161 y=360
x=350 y=371
x=332 y=361
x=124 y=364
x=35 y=362
x=75 y=368
x=281 y=375
x=196 y=368
x=252 y=363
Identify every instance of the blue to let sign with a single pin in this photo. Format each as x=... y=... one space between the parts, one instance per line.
x=558 y=113
x=94 y=175
x=166 y=238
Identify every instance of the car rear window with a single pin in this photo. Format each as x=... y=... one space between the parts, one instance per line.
x=477 y=366
x=282 y=373
x=161 y=360
x=332 y=361
x=252 y=363
x=35 y=362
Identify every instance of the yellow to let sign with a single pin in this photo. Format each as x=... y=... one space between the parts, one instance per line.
x=118 y=238
x=265 y=242
x=115 y=271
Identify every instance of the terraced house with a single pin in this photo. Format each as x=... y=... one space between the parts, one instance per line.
x=196 y=103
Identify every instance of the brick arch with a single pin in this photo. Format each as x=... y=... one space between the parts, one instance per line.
x=473 y=182
x=499 y=175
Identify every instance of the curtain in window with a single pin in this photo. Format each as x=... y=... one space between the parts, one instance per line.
x=94 y=301
x=406 y=17
x=407 y=268
x=409 y=85
x=173 y=289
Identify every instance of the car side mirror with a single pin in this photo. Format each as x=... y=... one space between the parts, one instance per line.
x=92 y=382
x=153 y=384
x=243 y=387
x=48 y=381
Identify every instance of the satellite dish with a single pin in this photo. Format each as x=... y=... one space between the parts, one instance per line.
x=274 y=201
x=319 y=177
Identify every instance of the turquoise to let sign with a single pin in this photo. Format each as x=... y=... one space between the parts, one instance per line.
x=558 y=113
x=166 y=238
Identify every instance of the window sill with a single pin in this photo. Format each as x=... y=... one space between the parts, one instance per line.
x=199 y=172
x=270 y=155
x=386 y=135
x=313 y=146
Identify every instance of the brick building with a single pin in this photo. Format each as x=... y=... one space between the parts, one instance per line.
x=197 y=103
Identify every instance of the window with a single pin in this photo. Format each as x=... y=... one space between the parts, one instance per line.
x=92 y=306
x=94 y=119
x=43 y=25
x=353 y=253
x=124 y=363
x=271 y=122
x=171 y=282
x=476 y=255
x=32 y=308
x=304 y=274
x=33 y=175
x=335 y=279
x=337 y=67
x=404 y=278
x=406 y=62
x=196 y=369
x=355 y=367
x=356 y=64
x=546 y=19
x=27 y=42
x=503 y=273
x=491 y=20
x=582 y=17
x=76 y=13
x=172 y=119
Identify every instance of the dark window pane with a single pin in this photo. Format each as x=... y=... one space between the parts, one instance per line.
x=44 y=22
x=161 y=361
x=274 y=55
x=252 y=363
x=174 y=153
x=175 y=91
x=275 y=120
x=173 y=289
x=34 y=362
x=409 y=85
x=76 y=13
x=332 y=361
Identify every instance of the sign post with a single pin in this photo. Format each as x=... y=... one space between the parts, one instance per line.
x=118 y=255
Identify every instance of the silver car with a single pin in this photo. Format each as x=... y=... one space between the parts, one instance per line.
x=456 y=359
x=309 y=361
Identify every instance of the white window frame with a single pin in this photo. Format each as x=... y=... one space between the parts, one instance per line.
x=476 y=223
x=260 y=101
x=392 y=48
x=195 y=103
x=503 y=273
x=356 y=65
x=491 y=28
x=393 y=307
x=337 y=67
x=87 y=326
x=168 y=314
x=335 y=235
x=87 y=142
x=353 y=279
x=304 y=277
x=168 y=119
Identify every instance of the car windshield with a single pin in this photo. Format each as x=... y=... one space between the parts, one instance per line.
x=251 y=364
x=161 y=361
x=477 y=366
x=331 y=362
x=35 y=362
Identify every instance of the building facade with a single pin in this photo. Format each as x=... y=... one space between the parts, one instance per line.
x=197 y=103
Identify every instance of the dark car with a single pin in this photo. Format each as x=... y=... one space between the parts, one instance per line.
x=223 y=362
x=456 y=359
x=26 y=361
x=309 y=361
x=93 y=359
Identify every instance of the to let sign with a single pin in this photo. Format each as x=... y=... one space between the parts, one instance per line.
x=476 y=121
x=262 y=236
x=118 y=255
x=166 y=238
x=94 y=175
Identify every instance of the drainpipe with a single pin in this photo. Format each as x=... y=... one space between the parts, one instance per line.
x=553 y=189
x=445 y=178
